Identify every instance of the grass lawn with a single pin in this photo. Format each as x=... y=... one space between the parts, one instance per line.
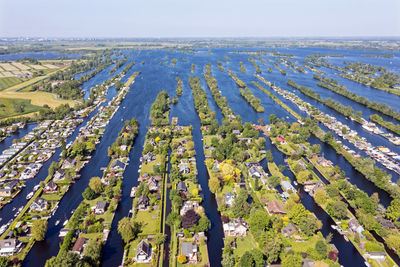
x=10 y=107
x=303 y=246
x=243 y=244
x=148 y=168
x=150 y=225
x=274 y=170
x=132 y=252
x=50 y=197
x=9 y=81
x=92 y=236
x=202 y=246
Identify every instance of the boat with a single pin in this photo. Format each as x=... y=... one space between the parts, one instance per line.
x=30 y=195
x=36 y=187
x=57 y=222
x=133 y=192
x=65 y=222
x=294 y=182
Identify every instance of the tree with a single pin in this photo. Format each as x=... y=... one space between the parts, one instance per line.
x=274 y=181
x=38 y=229
x=160 y=239
x=338 y=209
x=292 y=260
x=272 y=247
x=308 y=225
x=332 y=190
x=126 y=229
x=182 y=259
x=296 y=213
x=303 y=176
x=273 y=119
x=321 y=248
x=189 y=219
x=89 y=194
x=214 y=184
x=320 y=196
x=4 y=262
x=109 y=191
x=269 y=156
x=258 y=257
x=203 y=224
x=393 y=242
x=247 y=260
x=240 y=207
x=316 y=149
x=53 y=168
x=259 y=222
x=393 y=211
x=328 y=137
x=96 y=185
x=93 y=251
x=228 y=260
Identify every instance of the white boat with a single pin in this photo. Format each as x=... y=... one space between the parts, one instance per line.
x=36 y=187
x=133 y=192
x=30 y=195
x=65 y=223
x=57 y=222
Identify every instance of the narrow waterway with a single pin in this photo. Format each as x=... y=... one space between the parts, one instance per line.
x=156 y=77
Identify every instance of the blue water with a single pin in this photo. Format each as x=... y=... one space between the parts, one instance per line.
x=156 y=77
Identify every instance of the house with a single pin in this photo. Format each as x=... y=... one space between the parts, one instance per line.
x=184 y=168
x=149 y=157
x=254 y=172
x=118 y=166
x=229 y=198
x=287 y=186
x=288 y=230
x=312 y=186
x=274 y=207
x=143 y=252
x=50 y=188
x=9 y=246
x=302 y=164
x=100 y=207
x=323 y=162
x=4 y=192
x=68 y=163
x=385 y=223
x=59 y=175
x=237 y=227
x=79 y=245
x=281 y=140
x=153 y=184
x=190 y=251
x=355 y=227
x=308 y=263
x=180 y=150
x=39 y=205
x=11 y=185
x=236 y=132
x=188 y=205
x=143 y=202
x=181 y=187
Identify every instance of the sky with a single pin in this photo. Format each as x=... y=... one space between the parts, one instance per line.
x=201 y=18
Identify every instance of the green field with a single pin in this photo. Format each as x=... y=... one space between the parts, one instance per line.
x=9 y=81
x=13 y=107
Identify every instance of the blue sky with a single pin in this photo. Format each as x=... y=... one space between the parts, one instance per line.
x=202 y=18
